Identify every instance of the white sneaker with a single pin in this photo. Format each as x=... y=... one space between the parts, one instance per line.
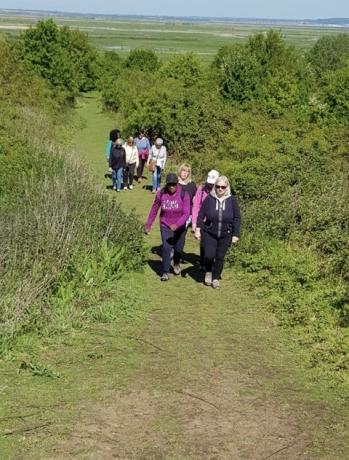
x=215 y=284
x=124 y=189
x=153 y=191
x=208 y=278
x=114 y=188
x=177 y=269
x=130 y=187
x=165 y=277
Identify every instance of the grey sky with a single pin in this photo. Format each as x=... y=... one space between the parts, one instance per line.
x=291 y=9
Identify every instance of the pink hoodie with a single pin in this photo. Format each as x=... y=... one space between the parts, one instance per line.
x=200 y=195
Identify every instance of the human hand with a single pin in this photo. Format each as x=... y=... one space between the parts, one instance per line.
x=193 y=228
x=235 y=239
x=173 y=227
x=198 y=234
x=146 y=230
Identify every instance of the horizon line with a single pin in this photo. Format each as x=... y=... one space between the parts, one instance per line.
x=173 y=16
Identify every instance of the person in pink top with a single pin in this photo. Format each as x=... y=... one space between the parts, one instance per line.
x=174 y=205
x=202 y=192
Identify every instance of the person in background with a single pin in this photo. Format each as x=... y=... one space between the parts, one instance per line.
x=156 y=163
x=132 y=162
x=218 y=226
x=185 y=181
x=143 y=145
x=113 y=135
x=200 y=195
x=117 y=163
x=174 y=205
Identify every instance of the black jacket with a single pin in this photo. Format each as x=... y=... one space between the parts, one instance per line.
x=117 y=157
x=220 y=218
x=191 y=189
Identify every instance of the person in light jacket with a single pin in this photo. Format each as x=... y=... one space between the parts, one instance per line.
x=158 y=155
x=218 y=226
x=132 y=162
x=174 y=204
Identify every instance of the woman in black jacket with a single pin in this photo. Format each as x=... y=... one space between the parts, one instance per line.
x=117 y=162
x=218 y=226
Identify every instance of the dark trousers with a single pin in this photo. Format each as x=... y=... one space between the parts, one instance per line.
x=140 y=168
x=129 y=172
x=202 y=255
x=215 y=251
x=171 y=240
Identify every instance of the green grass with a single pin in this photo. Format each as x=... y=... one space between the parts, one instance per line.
x=169 y=37
x=169 y=340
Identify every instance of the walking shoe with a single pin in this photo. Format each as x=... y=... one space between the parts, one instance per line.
x=130 y=187
x=124 y=189
x=208 y=278
x=139 y=180
x=177 y=269
x=215 y=284
x=165 y=277
x=153 y=191
x=114 y=188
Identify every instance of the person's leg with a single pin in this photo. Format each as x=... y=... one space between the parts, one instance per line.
x=222 y=248
x=209 y=243
x=154 y=179
x=167 y=244
x=158 y=181
x=126 y=174
x=202 y=255
x=119 y=178
x=131 y=174
x=114 y=178
x=178 y=246
x=139 y=169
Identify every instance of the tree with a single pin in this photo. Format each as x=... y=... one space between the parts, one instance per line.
x=184 y=67
x=62 y=56
x=329 y=53
x=145 y=60
x=237 y=73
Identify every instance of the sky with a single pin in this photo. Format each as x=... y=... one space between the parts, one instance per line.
x=281 y=9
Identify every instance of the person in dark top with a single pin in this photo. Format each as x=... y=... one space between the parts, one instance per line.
x=184 y=180
x=218 y=226
x=117 y=162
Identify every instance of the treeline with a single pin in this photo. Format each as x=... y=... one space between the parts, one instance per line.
x=273 y=119
x=63 y=243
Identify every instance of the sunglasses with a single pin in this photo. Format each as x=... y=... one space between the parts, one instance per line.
x=223 y=187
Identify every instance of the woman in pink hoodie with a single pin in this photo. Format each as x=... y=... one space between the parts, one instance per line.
x=200 y=195
x=174 y=204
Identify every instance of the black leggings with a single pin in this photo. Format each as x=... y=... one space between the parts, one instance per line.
x=129 y=173
x=215 y=250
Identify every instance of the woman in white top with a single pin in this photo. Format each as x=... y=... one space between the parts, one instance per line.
x=132 y=162
x=157 y=158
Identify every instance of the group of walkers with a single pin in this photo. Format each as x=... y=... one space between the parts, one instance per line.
x=210 y=210
x=127 y=160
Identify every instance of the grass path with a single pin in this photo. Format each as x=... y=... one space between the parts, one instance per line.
x=193 y=373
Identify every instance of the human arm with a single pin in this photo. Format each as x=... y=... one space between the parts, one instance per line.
x=153 y=212
x=196 y=207
x=164 y=157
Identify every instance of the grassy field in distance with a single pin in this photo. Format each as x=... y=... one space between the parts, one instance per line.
x=168 y=37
